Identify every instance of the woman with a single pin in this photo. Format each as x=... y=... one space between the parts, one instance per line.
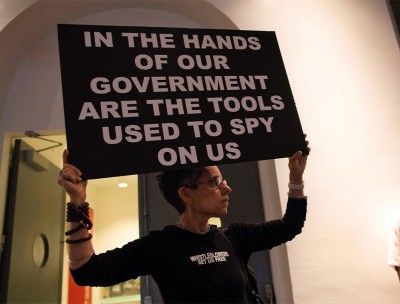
x=192 y=261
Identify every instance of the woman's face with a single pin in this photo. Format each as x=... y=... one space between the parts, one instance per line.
x=208 y=199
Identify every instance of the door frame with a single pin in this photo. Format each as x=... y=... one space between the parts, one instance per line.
x=272 y=210
x=6 y=178
x=7 y=228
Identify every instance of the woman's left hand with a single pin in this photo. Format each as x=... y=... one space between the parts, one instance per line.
x=297 y=165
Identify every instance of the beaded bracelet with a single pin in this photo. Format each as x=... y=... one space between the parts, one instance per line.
x=85 y=239
x=79 y=214
x=76 y=229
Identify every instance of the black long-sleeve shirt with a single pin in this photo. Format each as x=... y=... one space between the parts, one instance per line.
x=190 y=267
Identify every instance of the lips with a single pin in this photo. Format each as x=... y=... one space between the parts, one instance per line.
x=225 y=201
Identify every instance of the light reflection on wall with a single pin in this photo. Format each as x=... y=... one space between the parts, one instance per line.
x=116 y=222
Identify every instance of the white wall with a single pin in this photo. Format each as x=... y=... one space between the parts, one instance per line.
x=116 y=212
x=116 y=216
x=343 y=62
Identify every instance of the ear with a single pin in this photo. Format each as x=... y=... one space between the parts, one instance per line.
x=184 y=194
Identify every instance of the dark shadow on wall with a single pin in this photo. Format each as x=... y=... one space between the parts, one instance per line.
x=394 y=9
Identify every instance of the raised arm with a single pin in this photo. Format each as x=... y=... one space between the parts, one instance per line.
x=78 y=237
x=297 y=165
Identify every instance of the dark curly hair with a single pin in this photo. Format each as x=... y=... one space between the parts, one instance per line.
x=170 y=181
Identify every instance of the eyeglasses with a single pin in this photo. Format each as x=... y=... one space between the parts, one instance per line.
x=216 y=181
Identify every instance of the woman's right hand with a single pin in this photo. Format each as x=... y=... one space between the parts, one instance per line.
x=69 y=178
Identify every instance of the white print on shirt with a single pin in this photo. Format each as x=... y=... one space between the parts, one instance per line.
x=211 y=257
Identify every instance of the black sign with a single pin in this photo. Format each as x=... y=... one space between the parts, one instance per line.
x=141 y=99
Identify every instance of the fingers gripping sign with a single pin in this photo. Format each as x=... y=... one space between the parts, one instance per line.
x=69 y=178
x=297 y=164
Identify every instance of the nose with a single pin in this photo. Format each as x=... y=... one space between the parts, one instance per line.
x=225 y=186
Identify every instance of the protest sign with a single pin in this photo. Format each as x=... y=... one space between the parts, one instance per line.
x=146 y=99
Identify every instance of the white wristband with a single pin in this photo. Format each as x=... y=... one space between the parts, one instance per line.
x=296 y=187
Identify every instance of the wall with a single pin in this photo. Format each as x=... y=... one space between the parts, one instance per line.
x=116 y=212
x=116 y=215
x=343 y=62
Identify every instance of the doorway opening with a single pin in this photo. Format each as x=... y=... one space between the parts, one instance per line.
x=114 y=202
